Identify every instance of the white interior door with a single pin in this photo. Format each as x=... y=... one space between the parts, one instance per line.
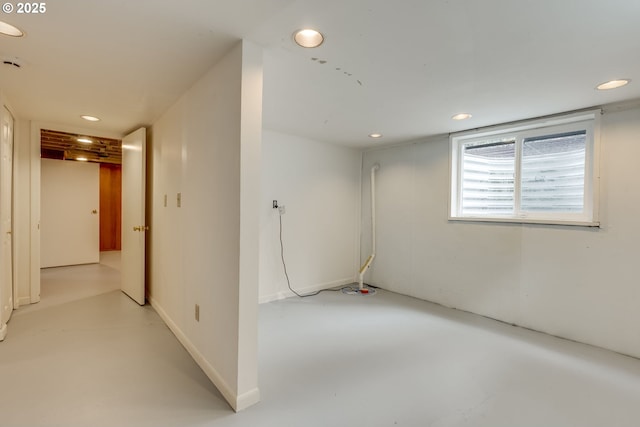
x=133 y=215
x=70 y=222
x=6 y=208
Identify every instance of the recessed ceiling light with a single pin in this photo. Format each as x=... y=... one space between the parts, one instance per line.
x=613 y=84
x=82 y=159
x=308 y=38
x=462 y=116
x=85 y=140
x=10 y=30
x=91 y=118
x=375 y=135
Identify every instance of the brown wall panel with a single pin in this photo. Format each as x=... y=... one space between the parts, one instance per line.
x=110 y=207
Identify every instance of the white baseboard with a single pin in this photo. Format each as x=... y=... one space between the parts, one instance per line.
x=236 y=402
x=24 y=301
x=3 y=331
x=303 y=291
x=247 y=399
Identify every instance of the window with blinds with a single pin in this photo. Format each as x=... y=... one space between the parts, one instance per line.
x=533 y=173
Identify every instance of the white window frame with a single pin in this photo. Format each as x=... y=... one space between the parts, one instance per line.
x=588 y=121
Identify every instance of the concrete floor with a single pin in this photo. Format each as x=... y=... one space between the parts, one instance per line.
x=95 y=358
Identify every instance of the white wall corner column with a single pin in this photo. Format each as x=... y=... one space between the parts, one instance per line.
x=250 y=158
x=205 y=250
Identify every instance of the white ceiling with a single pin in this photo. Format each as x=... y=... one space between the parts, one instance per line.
x=402 y=68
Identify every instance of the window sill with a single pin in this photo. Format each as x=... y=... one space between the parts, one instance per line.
x=575 y=223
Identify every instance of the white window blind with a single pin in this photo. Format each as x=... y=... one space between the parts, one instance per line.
x=488 y=179
x=552 y=174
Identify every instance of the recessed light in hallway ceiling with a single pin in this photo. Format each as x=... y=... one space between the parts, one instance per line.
x=462 y=116
x=613 y=84
x=375 y=135
x=308 y=38
x=10 y=30
x=91 y=118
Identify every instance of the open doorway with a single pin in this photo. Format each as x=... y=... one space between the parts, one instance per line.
x=81 y=203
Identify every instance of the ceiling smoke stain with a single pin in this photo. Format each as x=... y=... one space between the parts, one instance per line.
x=339 y=69
x=15 y=64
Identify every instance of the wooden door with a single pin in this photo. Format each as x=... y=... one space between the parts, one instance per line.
x=110 y=207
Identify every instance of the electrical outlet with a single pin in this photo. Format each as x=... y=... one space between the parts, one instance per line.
x=281 y=209
x=197 y=313
x=179 y=200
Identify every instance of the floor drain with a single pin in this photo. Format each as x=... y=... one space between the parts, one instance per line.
x=354 y=290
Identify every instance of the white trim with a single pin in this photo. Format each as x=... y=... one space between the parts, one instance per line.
x=3 y=331
x=24 y=301
x=236 y=402
x=15 y=257
x=34 y=211
x=525 y=221
x=245 y=400
x=309 y=289
x=595 y=164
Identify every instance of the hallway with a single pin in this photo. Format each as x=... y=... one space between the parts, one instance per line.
x=88 y=355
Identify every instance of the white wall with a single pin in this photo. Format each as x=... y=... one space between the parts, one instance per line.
x=575 y=282
x=207 y=147
x=319 y=184
x=70 y=232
